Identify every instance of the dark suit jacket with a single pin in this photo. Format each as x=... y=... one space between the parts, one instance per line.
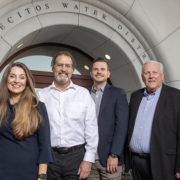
x=165 y=136
x=112 y=123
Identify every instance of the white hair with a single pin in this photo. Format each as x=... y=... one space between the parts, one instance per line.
x=155 y=62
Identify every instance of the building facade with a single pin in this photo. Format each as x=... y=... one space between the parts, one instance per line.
x=128 y=32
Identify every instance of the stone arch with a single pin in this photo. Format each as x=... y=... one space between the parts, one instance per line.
x=26 y=22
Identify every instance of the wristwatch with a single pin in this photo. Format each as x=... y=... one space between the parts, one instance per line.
x=42 y=176
x=113 y=155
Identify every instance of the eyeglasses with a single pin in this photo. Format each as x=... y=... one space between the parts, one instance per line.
x=67 y=66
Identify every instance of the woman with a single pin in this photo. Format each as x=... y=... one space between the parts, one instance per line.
x=24 y=127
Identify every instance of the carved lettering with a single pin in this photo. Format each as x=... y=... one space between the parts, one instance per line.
x=120 y=27
x=104 y=16
x=65 y=5
x=89 y=10
x=18 y=13
x=28 y=10
x=132 y=40
x=139 y=47
x=76 y=7
x=86 y=9
x=2 y=27
x=10 y=19
x=38 y=7
x=95 y=12
x=47 y=6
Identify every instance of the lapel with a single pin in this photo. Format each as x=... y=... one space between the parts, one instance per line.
x=105 y=99
x=136 y=102
x=134 y=106
x=160 y=103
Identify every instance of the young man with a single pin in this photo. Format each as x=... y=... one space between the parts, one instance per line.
x=112 y=112
x=73 y=122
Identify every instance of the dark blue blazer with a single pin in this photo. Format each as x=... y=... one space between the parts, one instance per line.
x=112 y=123
x=19 y=159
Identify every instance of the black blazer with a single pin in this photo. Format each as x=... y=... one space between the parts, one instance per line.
x=112 y=123
x=165 y=136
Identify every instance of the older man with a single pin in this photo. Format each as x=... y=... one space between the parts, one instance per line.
x=154 y=127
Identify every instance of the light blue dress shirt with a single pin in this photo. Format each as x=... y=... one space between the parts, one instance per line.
x=140 y=141
x=97 y=97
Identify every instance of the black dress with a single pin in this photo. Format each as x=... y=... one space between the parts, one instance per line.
x=19 y=159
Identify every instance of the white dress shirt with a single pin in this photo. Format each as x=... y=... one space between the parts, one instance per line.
x=72 y=117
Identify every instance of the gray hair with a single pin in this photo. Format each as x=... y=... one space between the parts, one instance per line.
x=155 y=62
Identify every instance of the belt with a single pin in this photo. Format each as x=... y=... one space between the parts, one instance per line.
x=141 y=155
x=65 y=150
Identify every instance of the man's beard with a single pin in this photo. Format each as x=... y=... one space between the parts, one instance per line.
x=61 y=79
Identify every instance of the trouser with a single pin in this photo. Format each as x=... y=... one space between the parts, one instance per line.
x=141 y=168
x=98 y=172
x=66 y=165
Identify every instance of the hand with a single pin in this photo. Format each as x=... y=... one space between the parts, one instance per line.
x=178 y=175
x=84 y=169
x=112 y=164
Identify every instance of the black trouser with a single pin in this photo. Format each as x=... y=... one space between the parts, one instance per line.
x=141 y=168
x=66 y=165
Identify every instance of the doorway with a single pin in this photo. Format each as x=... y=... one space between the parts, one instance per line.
x=44 y=79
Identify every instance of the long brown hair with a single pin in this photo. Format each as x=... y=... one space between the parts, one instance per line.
x=27 y=117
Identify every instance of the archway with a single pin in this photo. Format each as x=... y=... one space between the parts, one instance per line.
x=91 y=29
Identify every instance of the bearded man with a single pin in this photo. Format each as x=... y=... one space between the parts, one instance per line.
x=73 y=122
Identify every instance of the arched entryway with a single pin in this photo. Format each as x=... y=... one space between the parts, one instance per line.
x=38 y=59
x=93 y=29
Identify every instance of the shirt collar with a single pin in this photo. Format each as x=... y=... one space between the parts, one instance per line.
x=71 y=86
x=93 y=90
x=146 y=93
